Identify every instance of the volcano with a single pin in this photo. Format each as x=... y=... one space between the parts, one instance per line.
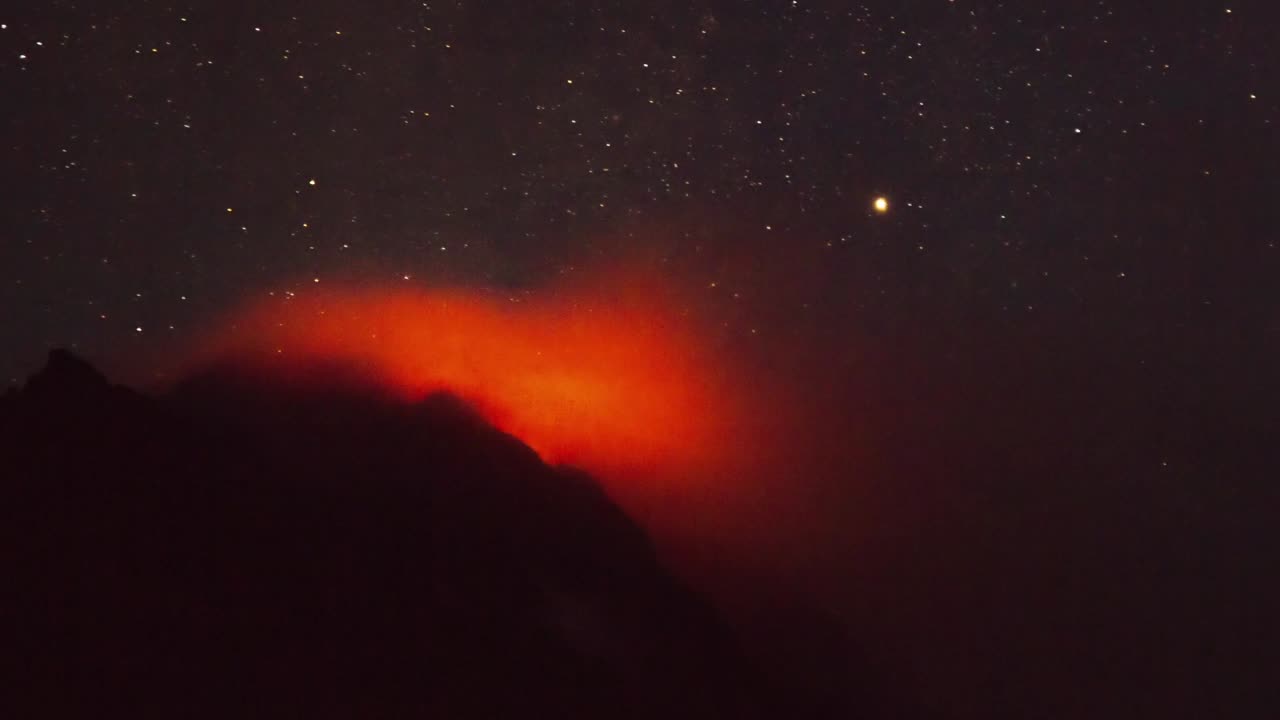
x=239 y=546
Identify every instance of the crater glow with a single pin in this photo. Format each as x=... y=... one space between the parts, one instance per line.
x=611 y=382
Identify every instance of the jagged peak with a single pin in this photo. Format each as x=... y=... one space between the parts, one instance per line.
x=65 y=372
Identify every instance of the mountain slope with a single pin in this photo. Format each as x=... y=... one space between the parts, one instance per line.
x=249 y=546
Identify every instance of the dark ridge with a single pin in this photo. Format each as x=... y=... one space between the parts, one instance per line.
x=66 y=375
x=245 y=547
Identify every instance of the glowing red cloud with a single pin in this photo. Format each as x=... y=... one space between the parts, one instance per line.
x=699 y=436
x=613 y=382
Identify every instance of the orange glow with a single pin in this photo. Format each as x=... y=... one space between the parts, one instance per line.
x=613 y=382
x=699 y=435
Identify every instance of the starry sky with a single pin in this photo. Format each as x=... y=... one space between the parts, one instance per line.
x=1057 y=337
x=1097 y=170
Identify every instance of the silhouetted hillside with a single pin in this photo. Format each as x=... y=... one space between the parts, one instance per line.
x=246 y=548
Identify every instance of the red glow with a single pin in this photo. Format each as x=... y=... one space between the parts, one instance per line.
x=613 y=382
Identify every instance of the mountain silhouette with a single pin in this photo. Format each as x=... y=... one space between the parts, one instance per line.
x=254 y=544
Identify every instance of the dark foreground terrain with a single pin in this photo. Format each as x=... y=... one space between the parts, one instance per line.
x=257 y=544
x=239 y=548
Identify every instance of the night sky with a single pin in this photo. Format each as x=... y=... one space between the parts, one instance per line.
x=1028 y=401
x=1099 y=170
